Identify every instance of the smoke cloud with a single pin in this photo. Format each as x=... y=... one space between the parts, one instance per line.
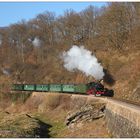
x=36 y=42
x=79 y=58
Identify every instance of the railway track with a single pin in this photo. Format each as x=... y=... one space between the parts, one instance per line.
x=116 y=99
x=112 y=98
x=127 y=101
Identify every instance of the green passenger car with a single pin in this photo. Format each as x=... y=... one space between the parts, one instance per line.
x=80 y=88
x=55 y=88
x=29 y=87
x=68 y=88
x=18 y=87
x=42 y=87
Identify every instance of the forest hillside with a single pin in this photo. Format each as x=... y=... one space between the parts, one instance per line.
x=30 y=51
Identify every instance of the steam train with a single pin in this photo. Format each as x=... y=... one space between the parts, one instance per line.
x=92 y=88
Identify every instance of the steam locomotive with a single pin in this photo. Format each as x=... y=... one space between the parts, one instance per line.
x=92 y=88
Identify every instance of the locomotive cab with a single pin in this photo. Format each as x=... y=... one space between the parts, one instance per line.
x=96 y=89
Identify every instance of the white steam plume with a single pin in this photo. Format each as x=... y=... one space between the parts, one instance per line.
x=81 y=59
x=36 y=42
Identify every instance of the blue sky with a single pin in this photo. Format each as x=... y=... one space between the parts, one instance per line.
x=12 y=12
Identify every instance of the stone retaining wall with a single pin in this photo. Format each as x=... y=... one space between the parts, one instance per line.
x=122 y=119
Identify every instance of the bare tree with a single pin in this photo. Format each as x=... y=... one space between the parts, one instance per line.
x=114 y=25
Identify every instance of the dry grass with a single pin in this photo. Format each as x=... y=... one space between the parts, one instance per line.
x=50 y=109
x=95 y=129
x=19 y=126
